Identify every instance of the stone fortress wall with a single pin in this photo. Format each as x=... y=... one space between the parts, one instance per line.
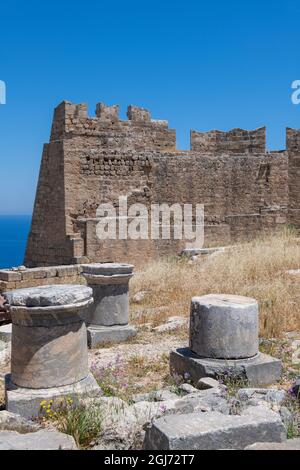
x=90 y=160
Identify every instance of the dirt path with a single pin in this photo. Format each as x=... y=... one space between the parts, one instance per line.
x=147 y=344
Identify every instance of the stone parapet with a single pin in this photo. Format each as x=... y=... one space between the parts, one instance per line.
x=18 y=278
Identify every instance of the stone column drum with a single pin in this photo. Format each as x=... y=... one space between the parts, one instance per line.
x=224 y=341
x=224 y=327
x=109 y=315
x=49 y=346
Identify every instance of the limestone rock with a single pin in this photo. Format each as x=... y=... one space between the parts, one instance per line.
x=157 y=395
x=187 y=388
x=171 y=324
x=40 y=440
x=125 y=430
x=294 y=272
x=286 y=416
x=256 y=394
x=203 y=400
x=290 y=444
x=139 y=296
x=14 y=422
x=110 y=408
x=206 y=383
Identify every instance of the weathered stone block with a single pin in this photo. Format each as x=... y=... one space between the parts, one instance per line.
x=99 y=335
x=134 y=113
x=107 y=113
x=51 y=271
x=40 y=440
x=27 y=401
x=258 y=371
x=6 y=275
x=14 y=422
x=34 y=273
x=214 y=430
x=206 y=383
x=65 y=271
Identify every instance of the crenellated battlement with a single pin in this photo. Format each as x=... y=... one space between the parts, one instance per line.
x=235 y=141
x=293 y=139
x=139 y=131
x=293 y=147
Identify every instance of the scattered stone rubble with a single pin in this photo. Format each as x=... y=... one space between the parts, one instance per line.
x=49 y=360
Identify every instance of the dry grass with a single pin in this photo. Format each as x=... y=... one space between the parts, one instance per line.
x=255 y=269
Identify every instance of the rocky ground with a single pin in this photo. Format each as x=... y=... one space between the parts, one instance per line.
x=138 y=390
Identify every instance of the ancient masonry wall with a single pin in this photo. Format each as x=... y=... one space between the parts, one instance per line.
x=293 y=146
x=88 y=161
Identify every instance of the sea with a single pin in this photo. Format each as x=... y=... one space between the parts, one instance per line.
x=14 y=230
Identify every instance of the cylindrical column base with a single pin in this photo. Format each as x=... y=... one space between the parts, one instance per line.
x=224 y=326
x=49 y=338
x=110 y=284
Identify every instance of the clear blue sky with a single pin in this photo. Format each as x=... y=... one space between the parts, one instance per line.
x=201 y=65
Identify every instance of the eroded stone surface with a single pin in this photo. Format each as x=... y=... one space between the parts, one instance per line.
x=109 y=282
x=290 y=444
x=27 y=402
x=214 y=430
x=266 y=394
x=99 y=335
x=46 y=296
x=107 y=269
x=45 y=357
x=257 y=371
x=40 y=440
x=49 y=338
x=206 y=383
x=224 y=326
x=14 y=422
